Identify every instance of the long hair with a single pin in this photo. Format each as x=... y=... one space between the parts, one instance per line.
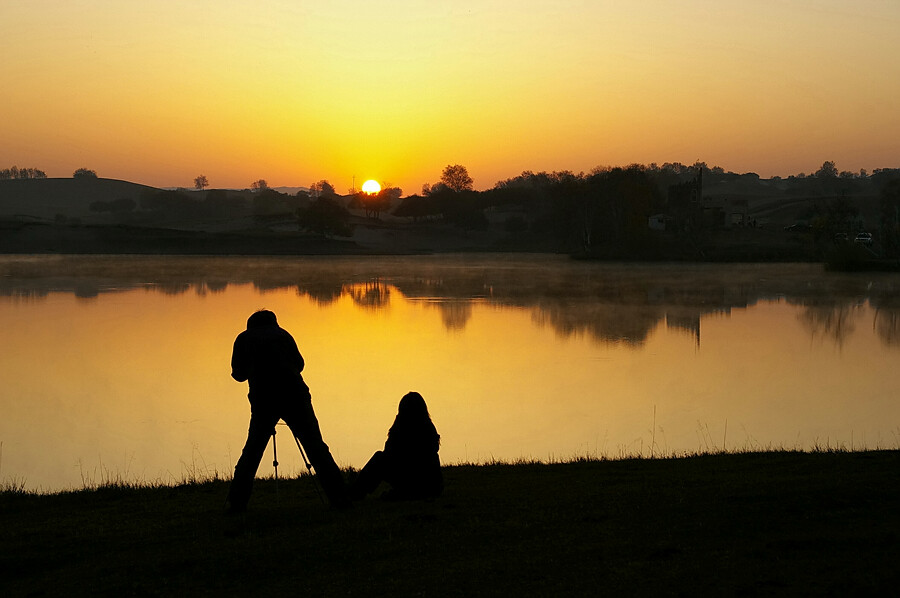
x=413 y=420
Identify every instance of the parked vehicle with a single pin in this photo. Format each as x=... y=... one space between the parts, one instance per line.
x=863 y=238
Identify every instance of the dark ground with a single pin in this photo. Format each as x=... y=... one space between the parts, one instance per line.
x=754 y=524
x=42 y=238
x=737 y=245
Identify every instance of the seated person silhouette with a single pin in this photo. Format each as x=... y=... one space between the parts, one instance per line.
x=267 y=357
x=409 y=461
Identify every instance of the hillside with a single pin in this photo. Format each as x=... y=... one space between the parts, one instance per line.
x=55 y=216
x=53 y=199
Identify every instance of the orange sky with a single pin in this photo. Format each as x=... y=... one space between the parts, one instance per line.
x=293 y=92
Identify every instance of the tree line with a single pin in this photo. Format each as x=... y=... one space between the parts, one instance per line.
x=14 y=172
x=601 y=212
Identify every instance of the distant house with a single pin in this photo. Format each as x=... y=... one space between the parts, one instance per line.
x=659 y=222
x=684 y=204
x=738 y=210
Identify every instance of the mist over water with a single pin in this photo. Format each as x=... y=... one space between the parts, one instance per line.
x=118 y=367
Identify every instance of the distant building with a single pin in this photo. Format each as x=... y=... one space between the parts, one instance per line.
x=660 y=222
x=687 y=209
x=738 y=210
x=684 y=204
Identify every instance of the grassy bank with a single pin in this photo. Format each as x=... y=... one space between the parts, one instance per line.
x=778 y=523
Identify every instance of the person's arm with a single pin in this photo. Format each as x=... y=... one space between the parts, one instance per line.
x=239 y=365
x=297 y=362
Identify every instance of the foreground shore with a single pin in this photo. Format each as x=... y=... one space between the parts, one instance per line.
x=779 y=523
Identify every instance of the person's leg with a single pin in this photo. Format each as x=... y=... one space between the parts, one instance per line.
x=261 y=428
x=301 y=419
x=369 y=476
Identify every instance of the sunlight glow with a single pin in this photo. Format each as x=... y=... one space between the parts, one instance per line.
x=371 y=187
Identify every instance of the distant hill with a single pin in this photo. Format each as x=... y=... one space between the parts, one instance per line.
x=290 y=190
x=47 y=199
x=230 y=190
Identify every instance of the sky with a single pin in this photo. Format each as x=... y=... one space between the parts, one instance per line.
x=294 y=92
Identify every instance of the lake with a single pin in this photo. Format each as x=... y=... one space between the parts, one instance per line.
x=118 y=367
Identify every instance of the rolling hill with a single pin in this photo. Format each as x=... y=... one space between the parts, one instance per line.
x=48 y=199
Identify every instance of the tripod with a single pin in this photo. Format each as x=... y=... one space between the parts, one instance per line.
x=305 y=462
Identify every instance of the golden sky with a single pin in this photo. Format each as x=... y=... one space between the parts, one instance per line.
x=294 y=92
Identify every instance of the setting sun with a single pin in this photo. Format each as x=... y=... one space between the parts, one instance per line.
x=371 y=187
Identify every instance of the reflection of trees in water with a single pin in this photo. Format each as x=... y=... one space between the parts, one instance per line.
x=455 y=313
x=838 y=322
x=610 y=302
x=216 y=286
x=620 y=323
x=605 y=322
x=372 y=294
x=322 y=293
x=210 y=288
x=687 y=320
x=887 y=326
x=835 y=322
x=174 y=288
x=25 y=295
x=86 y=290
x=887 y=317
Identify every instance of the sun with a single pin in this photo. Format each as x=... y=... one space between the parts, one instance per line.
x=371 y=187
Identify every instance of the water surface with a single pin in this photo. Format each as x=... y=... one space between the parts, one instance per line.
x=118 y=367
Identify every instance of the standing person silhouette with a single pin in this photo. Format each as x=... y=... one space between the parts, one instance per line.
x=266 y=355
x=409 y=461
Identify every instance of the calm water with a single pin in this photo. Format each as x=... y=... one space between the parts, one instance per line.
x=118 y=367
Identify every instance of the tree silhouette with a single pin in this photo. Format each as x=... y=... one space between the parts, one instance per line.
x=890 y=218
x=260 y=185
x=84 y=173
x=200 y=182
x=436 y=189
x=325 y=216
x=456 y=178
x=321 y=189
x=22 y=173
x=375 y=203
x=416 y=207
x=828 y=170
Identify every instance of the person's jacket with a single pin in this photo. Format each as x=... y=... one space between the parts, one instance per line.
x=268 y=358
x=412 y=453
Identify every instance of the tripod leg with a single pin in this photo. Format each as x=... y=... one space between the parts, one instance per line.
x=275 y=459
x=309 y=469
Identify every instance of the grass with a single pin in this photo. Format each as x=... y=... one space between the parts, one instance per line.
x=747 y=523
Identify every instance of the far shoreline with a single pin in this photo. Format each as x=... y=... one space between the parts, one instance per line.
x=18 y=238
